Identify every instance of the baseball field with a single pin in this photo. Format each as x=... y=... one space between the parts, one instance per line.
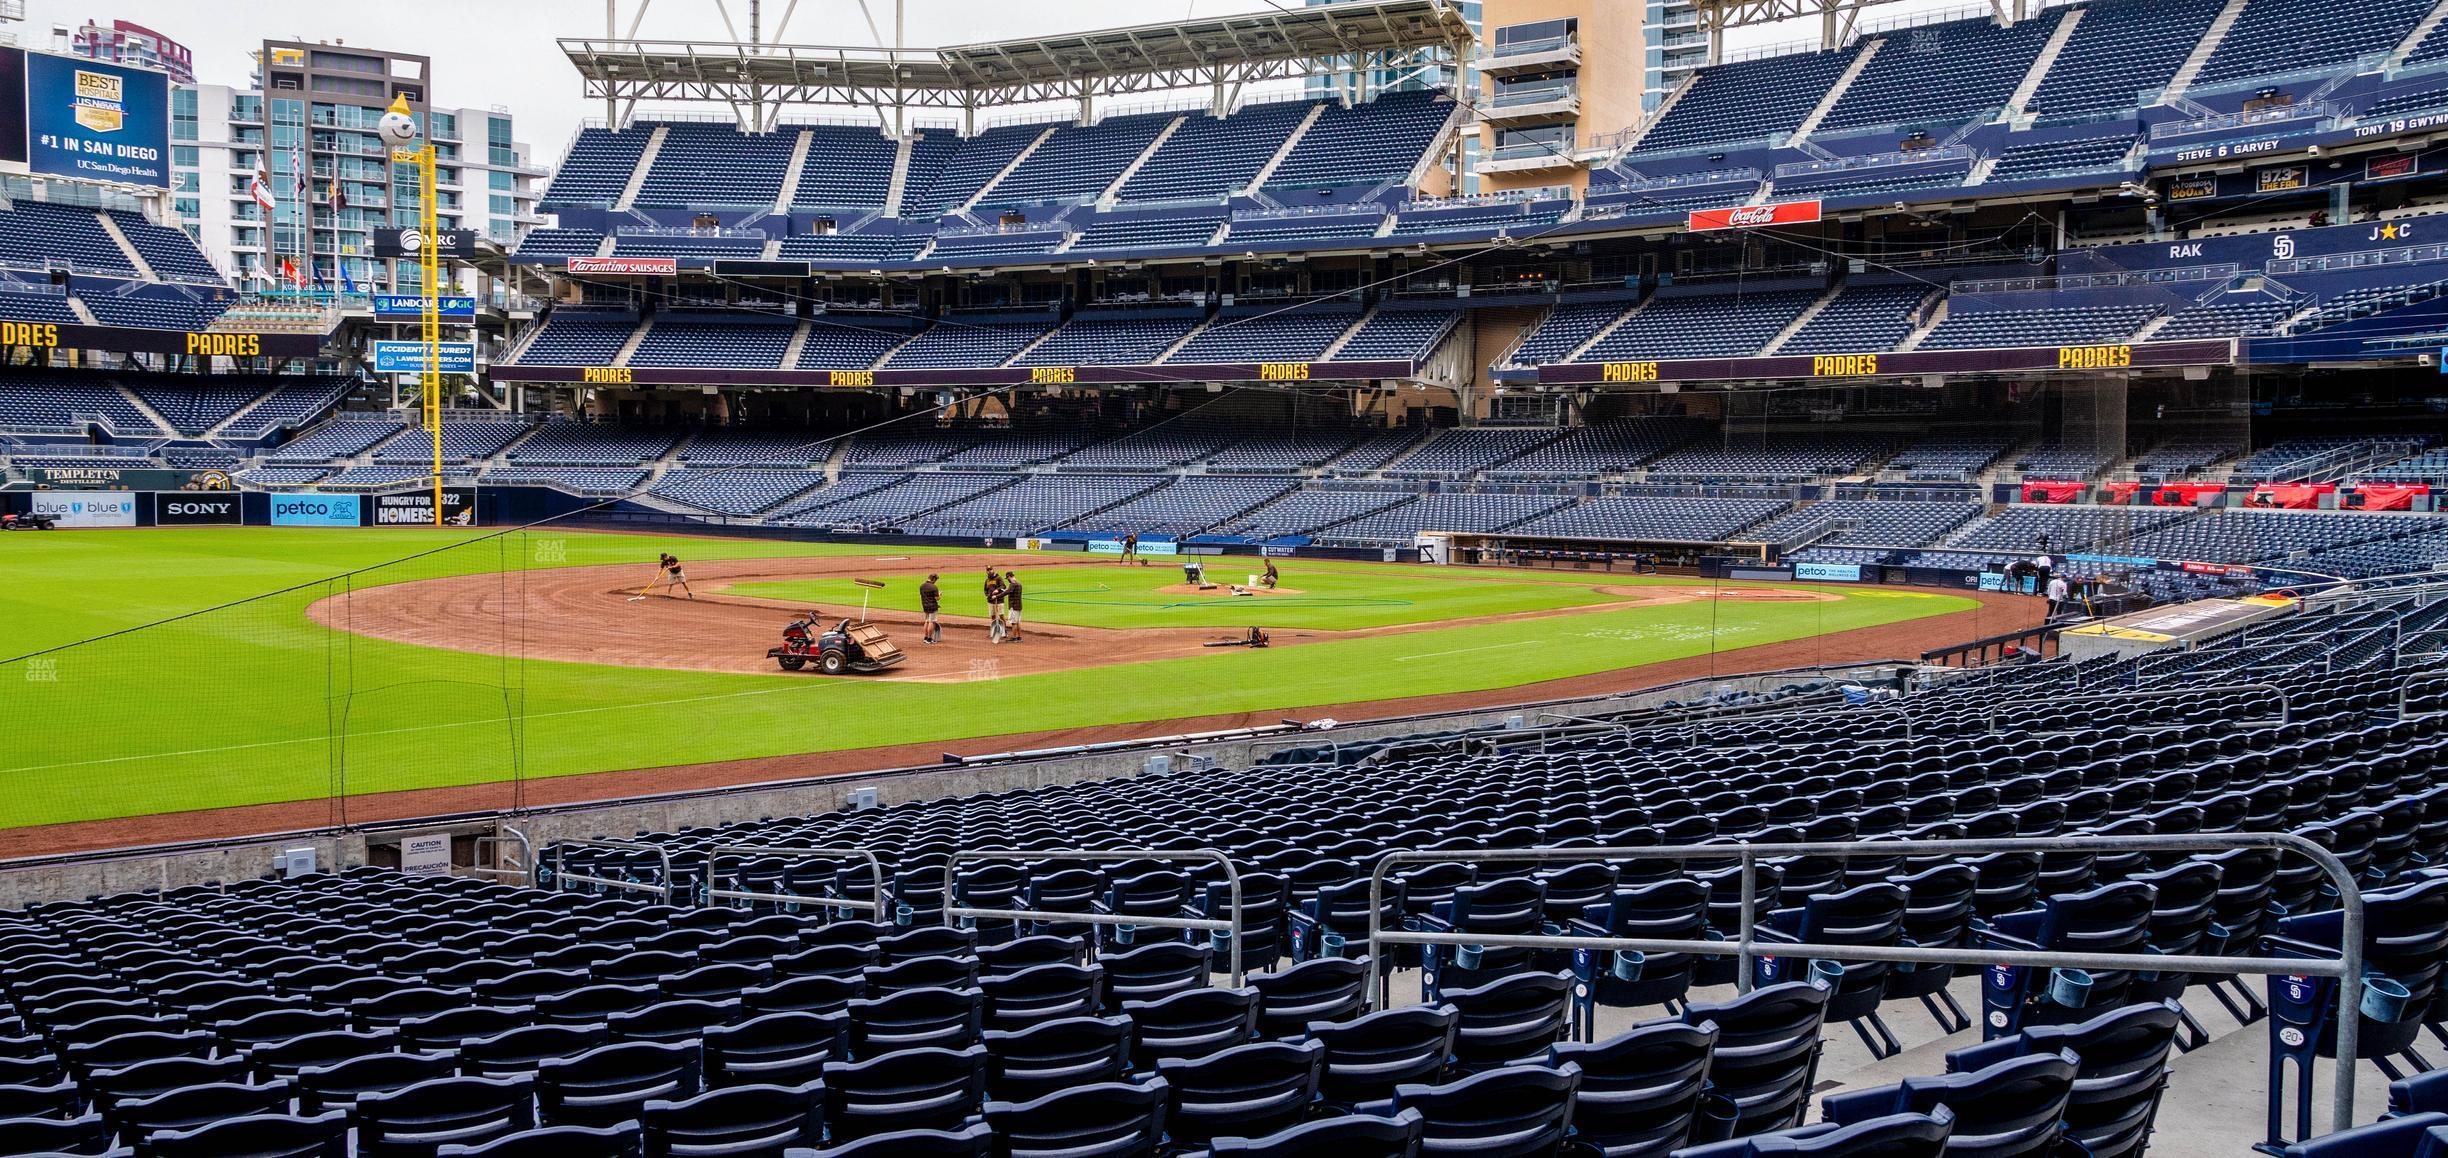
x=177 y=670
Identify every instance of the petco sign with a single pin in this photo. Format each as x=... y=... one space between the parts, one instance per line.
x=1754 y=216
x=88 y=508
x=316 y=511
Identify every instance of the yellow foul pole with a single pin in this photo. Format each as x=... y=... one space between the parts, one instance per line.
x=398 y=128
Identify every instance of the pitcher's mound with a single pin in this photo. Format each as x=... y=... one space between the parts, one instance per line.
x=1224 y=590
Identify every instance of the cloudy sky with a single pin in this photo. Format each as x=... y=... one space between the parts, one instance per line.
x=501 y=52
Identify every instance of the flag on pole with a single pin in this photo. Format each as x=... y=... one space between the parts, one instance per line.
x=258 y=273
x=348 y=280
x=337 y=199
x=289 y=272
x=261 y=188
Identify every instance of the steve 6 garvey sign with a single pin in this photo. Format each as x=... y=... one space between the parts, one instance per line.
x=1753 y=216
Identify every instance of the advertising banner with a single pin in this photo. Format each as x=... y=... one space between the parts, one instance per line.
x=115 y=478
x=412 y=306
x=317 y=511
x=415 y=508
x=88 y=508
x=409 y=357
x=1753 y=216
x=449 y=244
x=1146 y=547
x=97 y=121
x=2388 y=496
x=2289 y=496
x=12 y=105
x=2394 y=167
x=1830 y=572
x=2186 y=494
x=2192 y=188
x=633 y=266
x=191 y=509
x=2119 y=492
x=2046 y=491
x=2281 y=179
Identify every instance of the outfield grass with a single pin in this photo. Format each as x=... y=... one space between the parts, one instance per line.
x=1332 y=596
x=255 y=703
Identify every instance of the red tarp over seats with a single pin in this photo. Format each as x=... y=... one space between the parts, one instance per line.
x=2289 y=496
x=2388 y=496
x=2185 y=494
x=2042 y=491
x=2119 y=492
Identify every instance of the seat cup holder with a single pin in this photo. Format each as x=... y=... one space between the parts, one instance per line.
x=2070 y=987
x=2385 y=1000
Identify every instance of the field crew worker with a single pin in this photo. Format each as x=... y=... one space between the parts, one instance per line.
x=2057 y=592
x=1269 y=579
x=1011 y=599
x=994 y=606
x=930 y=602
x=1130 y=547
x=672 y=578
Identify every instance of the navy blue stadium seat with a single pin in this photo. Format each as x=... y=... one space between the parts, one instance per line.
x=1895 y=1136
x=735 y=1120
x=323 y=1135
x=1345 y=1137
x=924 y=1088
x=1245 y=1091
x=620 y=1140
x=1513 y=1112
x=1106 y=1120
x=1639 y=1089
x=975 y=1141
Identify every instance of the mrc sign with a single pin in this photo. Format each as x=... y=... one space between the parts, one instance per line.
x=1753 y=216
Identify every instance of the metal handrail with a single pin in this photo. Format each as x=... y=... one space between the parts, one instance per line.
x=2286 y=712
x=1232 y=877
x=2405 y=694
x=526 y=859
x=2347 y=968
x=875 y=868
x=561 y=876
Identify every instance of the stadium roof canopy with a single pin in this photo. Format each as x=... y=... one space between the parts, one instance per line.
x=1221 y=53
x=1838 y=19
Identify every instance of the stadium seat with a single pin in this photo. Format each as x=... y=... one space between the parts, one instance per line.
x=749 y=1119
x=1053 y=1055
x=923 y=1088
x=1513 y=1112
x=1244 y=1091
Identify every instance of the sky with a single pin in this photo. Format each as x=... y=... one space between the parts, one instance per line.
x=502 y=52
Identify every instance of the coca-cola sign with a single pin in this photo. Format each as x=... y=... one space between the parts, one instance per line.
x=632 y=266
x=1754 y=216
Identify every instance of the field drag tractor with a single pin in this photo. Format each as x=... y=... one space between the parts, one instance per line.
x=849 y=647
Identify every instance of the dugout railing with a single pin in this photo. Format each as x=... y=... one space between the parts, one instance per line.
x=2346 y=969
